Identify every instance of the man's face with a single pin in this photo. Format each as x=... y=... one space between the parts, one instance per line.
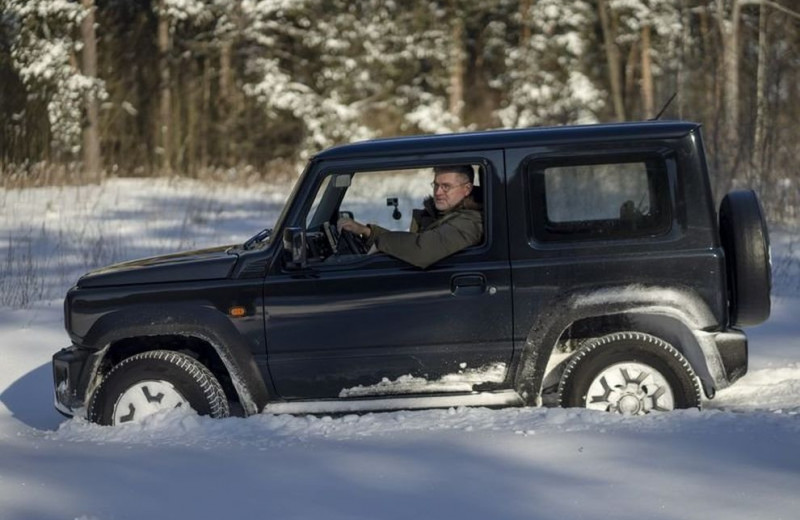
x=449 y=189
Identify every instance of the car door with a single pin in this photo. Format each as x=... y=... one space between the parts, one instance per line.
x=598 y=215
x=377 y=326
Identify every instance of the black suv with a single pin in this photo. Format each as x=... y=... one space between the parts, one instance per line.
x=604 y=280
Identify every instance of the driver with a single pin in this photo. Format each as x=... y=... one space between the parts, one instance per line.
x=450 y=221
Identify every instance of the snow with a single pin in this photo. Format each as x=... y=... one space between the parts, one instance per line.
x=739 y=458
x=461 y=381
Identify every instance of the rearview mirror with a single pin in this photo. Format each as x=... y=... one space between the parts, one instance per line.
x=341 y=181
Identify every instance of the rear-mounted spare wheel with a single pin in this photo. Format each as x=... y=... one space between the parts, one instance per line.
x=745 y=239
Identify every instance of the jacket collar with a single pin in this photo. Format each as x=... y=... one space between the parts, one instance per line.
x=466 y=203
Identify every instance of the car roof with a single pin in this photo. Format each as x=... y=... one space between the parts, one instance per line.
x=493 y=139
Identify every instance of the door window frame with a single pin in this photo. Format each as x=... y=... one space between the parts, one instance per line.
x=545 y=233
x=491 y=165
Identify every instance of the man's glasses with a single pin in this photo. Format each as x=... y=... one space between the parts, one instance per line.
x=445 y=187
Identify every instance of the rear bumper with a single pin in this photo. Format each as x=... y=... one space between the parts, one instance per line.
x=73 y=368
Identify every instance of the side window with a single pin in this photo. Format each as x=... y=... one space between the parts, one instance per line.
x=371 y=195
x=617 y=197
x=385 y=197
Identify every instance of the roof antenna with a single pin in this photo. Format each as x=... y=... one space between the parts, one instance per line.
x=658 y=116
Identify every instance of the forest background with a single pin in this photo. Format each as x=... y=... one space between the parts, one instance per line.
x=246 y=90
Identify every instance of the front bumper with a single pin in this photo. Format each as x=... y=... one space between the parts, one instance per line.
x=73 y=370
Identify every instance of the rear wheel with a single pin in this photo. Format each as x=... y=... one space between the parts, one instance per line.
x=629 y=373
x=153 y=381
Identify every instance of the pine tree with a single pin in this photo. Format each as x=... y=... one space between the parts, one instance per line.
x=546 y=79
x=44 y=53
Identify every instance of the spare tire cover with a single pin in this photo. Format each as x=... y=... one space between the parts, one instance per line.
x=745 y=239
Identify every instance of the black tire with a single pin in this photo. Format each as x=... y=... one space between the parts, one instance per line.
x=189 y=378
x=745 y=239
x=603 y=356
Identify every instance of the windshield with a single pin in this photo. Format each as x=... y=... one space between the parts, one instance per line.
x=270 y=237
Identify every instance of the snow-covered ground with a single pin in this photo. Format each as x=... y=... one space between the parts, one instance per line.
x=739 y=458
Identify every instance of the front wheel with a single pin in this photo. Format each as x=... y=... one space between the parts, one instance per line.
x=630 y=373
x=149 y=382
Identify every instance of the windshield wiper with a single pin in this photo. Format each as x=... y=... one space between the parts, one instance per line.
x=258 y=237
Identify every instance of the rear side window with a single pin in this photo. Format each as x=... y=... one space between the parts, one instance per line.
x=614 y=197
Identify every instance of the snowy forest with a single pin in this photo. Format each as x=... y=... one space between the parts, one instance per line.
x=137 y=128
x=242 y=90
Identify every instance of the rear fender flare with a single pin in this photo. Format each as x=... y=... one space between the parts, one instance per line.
x=656 y=309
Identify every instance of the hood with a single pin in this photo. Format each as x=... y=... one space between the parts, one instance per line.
x=204 y=264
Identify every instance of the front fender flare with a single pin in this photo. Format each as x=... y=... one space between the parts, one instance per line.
x=204 y=323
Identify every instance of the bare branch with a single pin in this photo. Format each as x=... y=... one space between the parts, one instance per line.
x=782 y=9
x=774 y=5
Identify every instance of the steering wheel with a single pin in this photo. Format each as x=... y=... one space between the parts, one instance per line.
x=353 y=243
x=346 y=242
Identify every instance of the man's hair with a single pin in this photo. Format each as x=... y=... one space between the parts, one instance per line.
x=463 y=169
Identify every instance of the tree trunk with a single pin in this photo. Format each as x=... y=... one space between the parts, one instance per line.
x=709 y=82
x=205 y=113
x=729 y=29
x=647 y=75
x=457 y=70
x=188 y=122
x=761 y=97
x=524 y=12
x=225 y=71
x=629 y=72
x=227 y=105
x=91 y=132
x=682 y=62
x=165 y=102
x=612 y=57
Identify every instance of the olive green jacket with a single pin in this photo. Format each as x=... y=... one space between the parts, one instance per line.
x=433 y=235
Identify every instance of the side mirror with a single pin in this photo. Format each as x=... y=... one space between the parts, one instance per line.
x=294 y=243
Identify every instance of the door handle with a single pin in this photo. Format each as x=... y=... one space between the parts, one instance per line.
x=468 y=284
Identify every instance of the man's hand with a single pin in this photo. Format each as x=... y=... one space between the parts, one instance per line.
x=352 y=226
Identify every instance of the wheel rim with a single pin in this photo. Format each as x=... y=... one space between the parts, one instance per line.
x=146 y=398
x=630 y=389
